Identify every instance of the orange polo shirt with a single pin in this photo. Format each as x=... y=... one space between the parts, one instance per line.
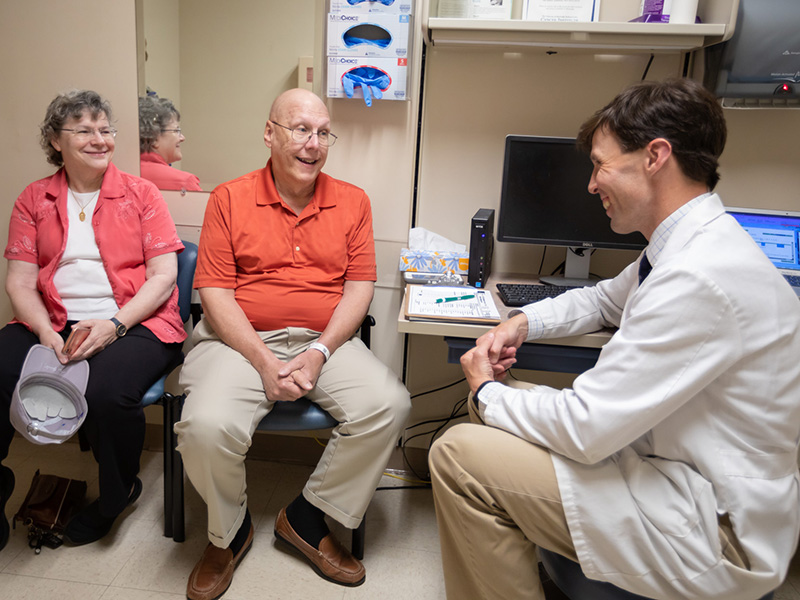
x=286 y=270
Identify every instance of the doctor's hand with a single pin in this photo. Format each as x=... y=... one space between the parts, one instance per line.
x=506 y=338
x=478 y=367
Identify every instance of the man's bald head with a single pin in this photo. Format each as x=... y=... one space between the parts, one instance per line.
x=291 y=99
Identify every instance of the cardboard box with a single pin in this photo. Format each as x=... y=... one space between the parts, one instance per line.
x=431 y=261
x=392 y=7
x=368 y=35
x=395 y=68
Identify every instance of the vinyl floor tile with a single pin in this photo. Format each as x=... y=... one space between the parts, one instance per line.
x=137 y=562
x=20 y=587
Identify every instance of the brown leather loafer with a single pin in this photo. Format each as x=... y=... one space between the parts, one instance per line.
x=332 y=561
x=212 y=576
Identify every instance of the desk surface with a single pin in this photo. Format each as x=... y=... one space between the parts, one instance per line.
x=467 y=330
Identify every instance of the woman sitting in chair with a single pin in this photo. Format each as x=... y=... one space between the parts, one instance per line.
x=94 y=248
x=160 y=140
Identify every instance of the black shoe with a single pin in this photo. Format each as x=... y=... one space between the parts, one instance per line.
x=6 y=489
x=89 y=525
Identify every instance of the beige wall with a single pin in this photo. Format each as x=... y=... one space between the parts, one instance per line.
x=47 y=47
x=472 y=100
x=160 y=20
x=266 y=35
x=235 y=58
x=475 y=97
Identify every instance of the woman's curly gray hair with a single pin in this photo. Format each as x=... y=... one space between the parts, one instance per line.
x=69 y=105
x=154 y=116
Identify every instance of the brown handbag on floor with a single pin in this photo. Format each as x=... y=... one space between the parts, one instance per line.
x=48 y=506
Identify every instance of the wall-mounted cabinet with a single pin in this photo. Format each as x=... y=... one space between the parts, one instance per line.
x=612 y=33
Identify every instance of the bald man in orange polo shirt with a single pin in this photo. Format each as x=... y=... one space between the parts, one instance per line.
x=285 y=273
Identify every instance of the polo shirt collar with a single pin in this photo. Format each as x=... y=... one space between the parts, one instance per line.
x=266 y=193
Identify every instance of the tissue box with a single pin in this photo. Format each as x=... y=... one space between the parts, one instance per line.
x=434 y=261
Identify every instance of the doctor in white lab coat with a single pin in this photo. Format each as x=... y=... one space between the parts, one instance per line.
x=670 y=468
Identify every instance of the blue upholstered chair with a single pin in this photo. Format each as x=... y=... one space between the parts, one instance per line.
x=300 y=415
x=157 y=394
x=569 y=578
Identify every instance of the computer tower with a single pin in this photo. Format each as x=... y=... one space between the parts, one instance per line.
x=481 y=245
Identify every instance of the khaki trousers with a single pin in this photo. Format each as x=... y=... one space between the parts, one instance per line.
x=497 y=499
x=226 y=401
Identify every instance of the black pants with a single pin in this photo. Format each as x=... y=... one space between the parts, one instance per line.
x=119 y=375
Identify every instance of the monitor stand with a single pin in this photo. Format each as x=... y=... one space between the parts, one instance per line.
x=576 y=270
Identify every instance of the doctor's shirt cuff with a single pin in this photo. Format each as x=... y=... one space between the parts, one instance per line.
x=535 y=323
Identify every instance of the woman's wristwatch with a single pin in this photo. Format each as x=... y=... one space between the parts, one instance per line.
x=120 y=328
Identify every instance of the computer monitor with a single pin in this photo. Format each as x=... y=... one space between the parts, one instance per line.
x=545 y=200
x=777 y=233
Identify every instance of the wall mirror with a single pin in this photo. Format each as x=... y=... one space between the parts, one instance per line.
x=222 y=64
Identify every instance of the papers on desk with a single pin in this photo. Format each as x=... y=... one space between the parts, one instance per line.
x=458 y=303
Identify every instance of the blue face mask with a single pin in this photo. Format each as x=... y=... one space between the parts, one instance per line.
x=372 y=80
x=384 y=2
x=367 y=33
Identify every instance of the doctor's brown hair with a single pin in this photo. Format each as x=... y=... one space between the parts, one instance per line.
x=681 y=111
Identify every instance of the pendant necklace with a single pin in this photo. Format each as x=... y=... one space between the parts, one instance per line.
x=82 y=214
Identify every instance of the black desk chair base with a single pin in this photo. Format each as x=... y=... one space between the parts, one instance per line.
x=574 y=585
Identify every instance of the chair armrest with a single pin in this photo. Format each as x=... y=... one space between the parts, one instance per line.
x=366 y=329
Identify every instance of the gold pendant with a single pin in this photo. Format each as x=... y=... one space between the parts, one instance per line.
x=82 y=216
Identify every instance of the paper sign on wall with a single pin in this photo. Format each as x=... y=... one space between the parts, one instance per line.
x=568 y=11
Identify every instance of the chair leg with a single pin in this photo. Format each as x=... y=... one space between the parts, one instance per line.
x=83 y=442
x=179 y=525
x=169 y=401
x=358 y=539
x=176 y=482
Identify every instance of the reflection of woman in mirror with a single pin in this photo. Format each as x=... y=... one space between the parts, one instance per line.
x=94 y=248
x=160 y=140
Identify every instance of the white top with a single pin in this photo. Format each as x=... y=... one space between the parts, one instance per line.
x=81 y=279
x=692 y=411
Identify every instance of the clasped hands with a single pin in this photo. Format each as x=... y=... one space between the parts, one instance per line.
x=494 y=352
x=286 y=382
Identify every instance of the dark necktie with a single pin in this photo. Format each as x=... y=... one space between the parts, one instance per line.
x=644 y=268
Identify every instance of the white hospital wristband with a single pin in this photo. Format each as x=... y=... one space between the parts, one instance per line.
x=322 y=348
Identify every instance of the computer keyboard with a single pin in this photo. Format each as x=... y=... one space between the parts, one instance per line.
x=520 y=294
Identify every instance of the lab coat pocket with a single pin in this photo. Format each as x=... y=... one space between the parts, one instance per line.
x=678 y=508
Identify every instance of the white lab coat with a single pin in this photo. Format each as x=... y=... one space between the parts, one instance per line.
x=692 y=411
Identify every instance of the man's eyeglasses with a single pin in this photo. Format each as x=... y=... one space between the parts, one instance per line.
x=85 y=135
x=302 y=134
x=177 y=130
